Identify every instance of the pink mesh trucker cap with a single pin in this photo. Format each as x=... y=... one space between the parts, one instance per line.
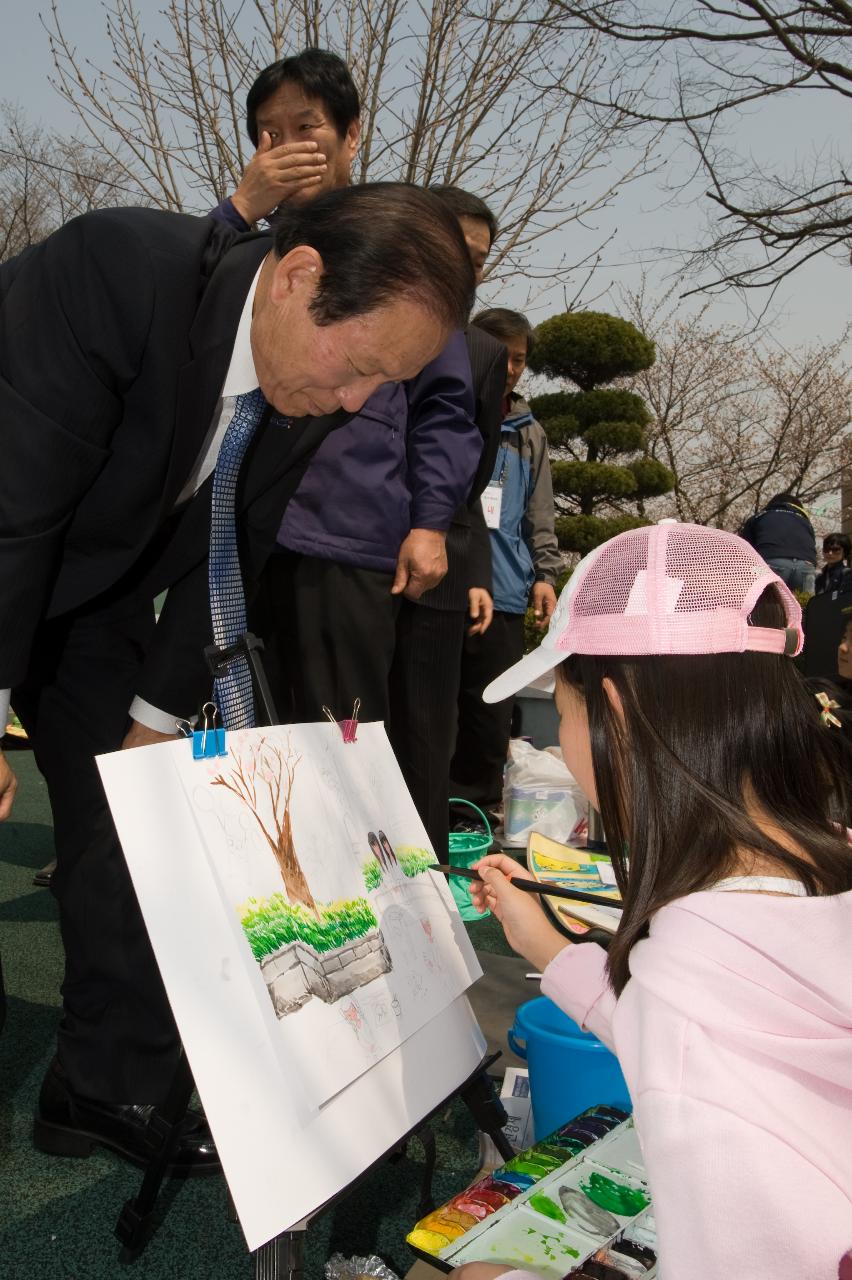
x=669 y=588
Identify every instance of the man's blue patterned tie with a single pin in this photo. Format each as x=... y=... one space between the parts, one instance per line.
x=233 y=691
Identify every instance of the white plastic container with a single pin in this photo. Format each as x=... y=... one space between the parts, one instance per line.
x=550 y=810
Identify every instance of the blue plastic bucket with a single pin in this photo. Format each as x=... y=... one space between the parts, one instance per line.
x=569 y=1069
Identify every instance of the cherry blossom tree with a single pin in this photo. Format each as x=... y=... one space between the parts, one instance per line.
x=737 y=419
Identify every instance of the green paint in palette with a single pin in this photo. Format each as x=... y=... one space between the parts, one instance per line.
x=552 y=1152
x=569 y=1146
x=617 y=1197
x=531 y=1165
x=547 y=1207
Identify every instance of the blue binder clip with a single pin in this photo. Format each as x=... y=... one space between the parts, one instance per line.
x=209 y=741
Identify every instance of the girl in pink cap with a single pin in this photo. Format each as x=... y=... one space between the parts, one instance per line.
x=726 y=993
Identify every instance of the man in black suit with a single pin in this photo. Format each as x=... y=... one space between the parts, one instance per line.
x=130 y=341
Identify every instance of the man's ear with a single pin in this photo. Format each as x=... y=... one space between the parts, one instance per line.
x=297 y=272
x=613 y=697
x=353 y=138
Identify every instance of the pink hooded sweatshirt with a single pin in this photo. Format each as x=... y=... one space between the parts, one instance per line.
x=735 y=1037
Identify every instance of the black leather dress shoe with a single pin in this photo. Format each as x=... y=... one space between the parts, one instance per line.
x=67 y=1124
x=42 y=878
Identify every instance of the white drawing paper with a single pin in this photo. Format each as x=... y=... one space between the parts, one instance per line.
x=350 y=942
x=283 y=1158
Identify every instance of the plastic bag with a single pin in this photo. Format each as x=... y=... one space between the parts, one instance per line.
x=340 y=1268
x=539 y=794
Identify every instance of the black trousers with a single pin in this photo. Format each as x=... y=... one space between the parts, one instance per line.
x=483 y=728
x=424 y=692
x=117 y=1037
x=329 y=631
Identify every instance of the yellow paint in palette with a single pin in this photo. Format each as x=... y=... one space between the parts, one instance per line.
x=580 y=869
x=449 y=1230
x=428 y=1241
x=456 y=1216
x=447 y=1223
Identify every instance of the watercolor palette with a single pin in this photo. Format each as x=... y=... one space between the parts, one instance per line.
x=559 y=1208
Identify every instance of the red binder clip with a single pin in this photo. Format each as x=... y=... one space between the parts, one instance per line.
x=348 y=728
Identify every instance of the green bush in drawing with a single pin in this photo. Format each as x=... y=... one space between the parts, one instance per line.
x=372 y=873
x=413 y=860
x=272 y=923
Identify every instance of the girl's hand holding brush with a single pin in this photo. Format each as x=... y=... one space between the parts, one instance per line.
x=527 y=929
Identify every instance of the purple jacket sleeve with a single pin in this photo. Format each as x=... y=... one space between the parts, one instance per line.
x=444 y=443
x=225 y=212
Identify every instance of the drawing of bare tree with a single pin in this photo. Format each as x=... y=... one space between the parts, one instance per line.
x=272 y=769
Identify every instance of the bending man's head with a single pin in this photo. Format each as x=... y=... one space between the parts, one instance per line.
x=365 y=286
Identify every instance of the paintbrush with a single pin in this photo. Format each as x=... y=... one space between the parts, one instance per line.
x=544 y=887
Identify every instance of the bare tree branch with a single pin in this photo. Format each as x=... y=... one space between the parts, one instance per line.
x=482 y=97
x=737 y=421
x=713 y=61
x=37 y=194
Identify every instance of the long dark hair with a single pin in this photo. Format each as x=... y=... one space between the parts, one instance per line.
x=700 y=736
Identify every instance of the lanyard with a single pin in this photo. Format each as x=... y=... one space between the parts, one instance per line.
x=504 y=459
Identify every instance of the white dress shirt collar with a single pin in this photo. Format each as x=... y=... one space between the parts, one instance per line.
x=241 y=376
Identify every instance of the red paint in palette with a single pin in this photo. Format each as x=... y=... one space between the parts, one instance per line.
x=491 y=1199
x=506 y=1189
x=472 y=1207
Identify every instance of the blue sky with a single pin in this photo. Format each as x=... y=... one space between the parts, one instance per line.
x=812 y=305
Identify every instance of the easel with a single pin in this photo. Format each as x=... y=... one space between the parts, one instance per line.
x=283 y=1257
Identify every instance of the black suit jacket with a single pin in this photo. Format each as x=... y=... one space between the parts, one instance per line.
x=115 y=337
x=468 y=540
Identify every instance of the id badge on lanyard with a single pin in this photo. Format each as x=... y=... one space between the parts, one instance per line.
x=492 y=504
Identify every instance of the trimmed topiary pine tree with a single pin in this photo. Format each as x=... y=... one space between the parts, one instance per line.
x=602 y=475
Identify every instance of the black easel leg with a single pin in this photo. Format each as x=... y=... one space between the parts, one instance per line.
x=430 y=1160
x=282 y=1258
x=134 y=1221
x=480 y=1098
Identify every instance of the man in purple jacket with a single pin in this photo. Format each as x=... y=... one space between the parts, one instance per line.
x=370 y=519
